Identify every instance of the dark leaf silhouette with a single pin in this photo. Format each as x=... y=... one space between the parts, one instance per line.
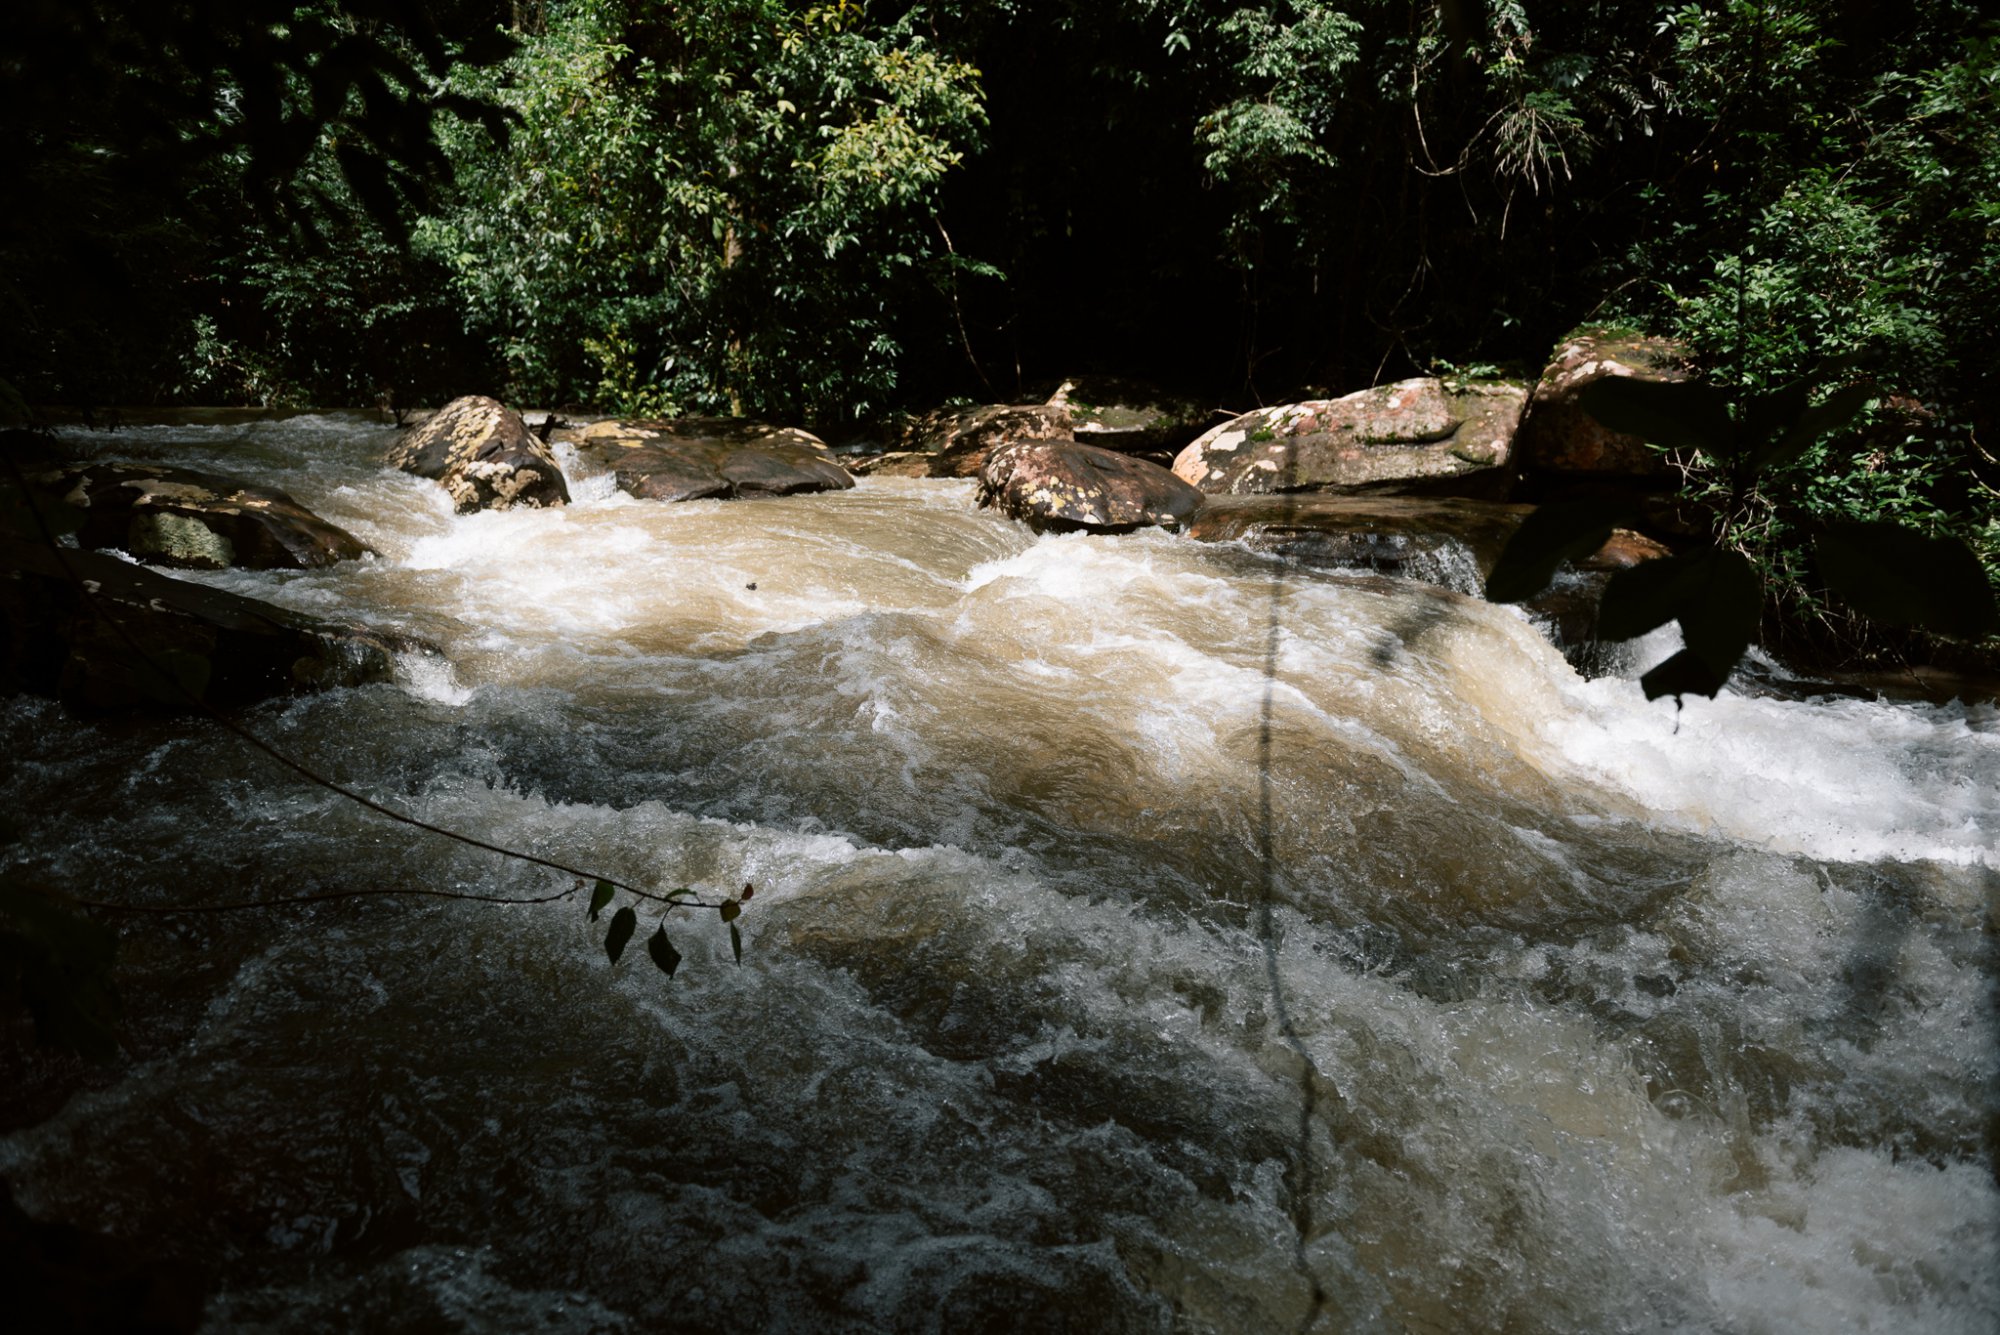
x=1891 y=574
x=623 y=923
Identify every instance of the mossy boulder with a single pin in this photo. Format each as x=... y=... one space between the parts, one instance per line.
x=710 y=458
x=1419 y=436
x=194 y=521
x=484 y=455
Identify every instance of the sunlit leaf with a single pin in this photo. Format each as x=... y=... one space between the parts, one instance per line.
x=1893 y=575
x=662 y=950
x=623 y=923
x=1677 y=414
x=1562 y=531
x=599 y=897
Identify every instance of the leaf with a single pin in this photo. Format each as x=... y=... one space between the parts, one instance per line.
x=623 y=923
x=1686 y=673
x=1835 y=412
x=736 y=943
x=1562 y=531
x=599 y=898
x=1678 y=414
x=1715 y=595
x=748 y=890
x=662 y=950
x=1899 y=577
x=729 y=908
x=1763 y=416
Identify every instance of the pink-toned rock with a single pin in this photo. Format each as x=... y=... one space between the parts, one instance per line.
x=1558 y=437
x=1415 y=436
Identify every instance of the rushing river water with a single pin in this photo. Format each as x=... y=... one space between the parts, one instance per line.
x=1148 y=935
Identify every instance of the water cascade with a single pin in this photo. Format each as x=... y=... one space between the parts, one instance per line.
x=1148 y=935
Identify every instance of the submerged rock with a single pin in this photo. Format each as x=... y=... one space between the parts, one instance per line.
x=1415 y=436
x=1558 y=438
x=71 y=642
x=702 y=458
x=1444 y=540
x=1059 y=485
x=485 y=456
x=196 y=521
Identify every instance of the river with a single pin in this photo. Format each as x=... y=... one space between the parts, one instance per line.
x=1148 y=935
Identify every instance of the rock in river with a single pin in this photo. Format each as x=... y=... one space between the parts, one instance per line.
x=197 y=521
x=1060 y=485
x=69 y=623
x=1558 y=440
x=700 y=458
x=485 y=456
x=1417 y=436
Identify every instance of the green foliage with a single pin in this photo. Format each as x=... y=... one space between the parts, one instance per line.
x=146 y=142
x=1880 y=569
x=711 y=208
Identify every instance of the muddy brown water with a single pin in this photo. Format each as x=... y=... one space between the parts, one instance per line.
x=1149 y=935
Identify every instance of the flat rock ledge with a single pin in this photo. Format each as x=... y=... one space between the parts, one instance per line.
x=1420 y=437
x=710 y=458
x=58 y=639
x=195 y=521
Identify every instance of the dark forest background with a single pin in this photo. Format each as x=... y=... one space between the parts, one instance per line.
x=828 y=213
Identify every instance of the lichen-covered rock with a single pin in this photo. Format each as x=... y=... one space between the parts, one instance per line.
x=195 y=521
x=896 y=463
x=71 y=642
x=1128 y=415
x=1063 y=485
x=1415 y=436
x=959 y=439
x=485 y=456
x=701 y=458
x=1557 y=437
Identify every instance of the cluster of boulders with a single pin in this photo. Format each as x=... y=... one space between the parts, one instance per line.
x=1383 y=478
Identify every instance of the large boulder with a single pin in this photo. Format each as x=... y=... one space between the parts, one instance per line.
x=1128 y=415
x=196 y=521
x=1418 y=436
x=69 y=624
x=701 y=458
x=959 y=439
x=485 y=456
x=1061 y=485
x=1559 y=441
